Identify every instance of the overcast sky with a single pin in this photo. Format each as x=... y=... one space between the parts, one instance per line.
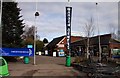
x=51 y=22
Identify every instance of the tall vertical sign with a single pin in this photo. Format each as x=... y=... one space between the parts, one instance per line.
x=68 y=27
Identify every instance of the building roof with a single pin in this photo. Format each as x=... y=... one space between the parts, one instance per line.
x=55 y=41
x=114 y=41
x=104 y=40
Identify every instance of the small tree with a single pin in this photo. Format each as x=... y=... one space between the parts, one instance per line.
x=112 y=31
x=45 y=40
x=89 y=30
x=28 y=32
x=27 y=41
x=39 y=45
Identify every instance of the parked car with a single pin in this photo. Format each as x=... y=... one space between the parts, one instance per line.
x=3 y=67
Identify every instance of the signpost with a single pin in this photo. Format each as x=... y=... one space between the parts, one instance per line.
x=16 y=52
x=68 y=34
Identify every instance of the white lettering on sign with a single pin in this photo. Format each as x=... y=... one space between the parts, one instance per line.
x=68 y=9
x=19 y=51
x=30 y=52
x=68 y=26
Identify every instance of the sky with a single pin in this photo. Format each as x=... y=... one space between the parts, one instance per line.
x=51 y=22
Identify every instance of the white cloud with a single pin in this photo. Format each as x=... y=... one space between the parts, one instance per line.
x=67 y=0
x=77 y=33
x=51 y=22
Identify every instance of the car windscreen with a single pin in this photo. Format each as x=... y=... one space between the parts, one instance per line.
x=2 y=62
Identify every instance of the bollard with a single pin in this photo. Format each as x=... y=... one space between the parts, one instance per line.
x=68 y=61
x=26 y=60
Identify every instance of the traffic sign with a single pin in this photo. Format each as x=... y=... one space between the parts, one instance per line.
x=16 y=52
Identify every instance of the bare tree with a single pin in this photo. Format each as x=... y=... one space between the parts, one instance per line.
x=112 y=30
x=29 y=31
x=89 y=30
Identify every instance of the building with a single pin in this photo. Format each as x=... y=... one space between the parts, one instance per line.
x=59 y=43
x=106 y=41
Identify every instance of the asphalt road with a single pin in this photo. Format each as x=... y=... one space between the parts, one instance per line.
x=45 y=66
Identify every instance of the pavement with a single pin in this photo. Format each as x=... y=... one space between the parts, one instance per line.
x=45 y=66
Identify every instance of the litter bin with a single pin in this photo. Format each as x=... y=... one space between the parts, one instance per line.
x=3 y=67
x=68 y=61
x=26 y=59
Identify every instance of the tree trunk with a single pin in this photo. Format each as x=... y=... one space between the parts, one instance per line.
x=88 y=48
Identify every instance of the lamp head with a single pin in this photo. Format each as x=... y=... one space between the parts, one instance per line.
x=96 y=3
x=36 y=13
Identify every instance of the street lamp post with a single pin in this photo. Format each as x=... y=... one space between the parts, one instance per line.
x=36 y=14
x=98 y=35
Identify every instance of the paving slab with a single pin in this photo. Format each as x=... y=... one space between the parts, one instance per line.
x=47 y=66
